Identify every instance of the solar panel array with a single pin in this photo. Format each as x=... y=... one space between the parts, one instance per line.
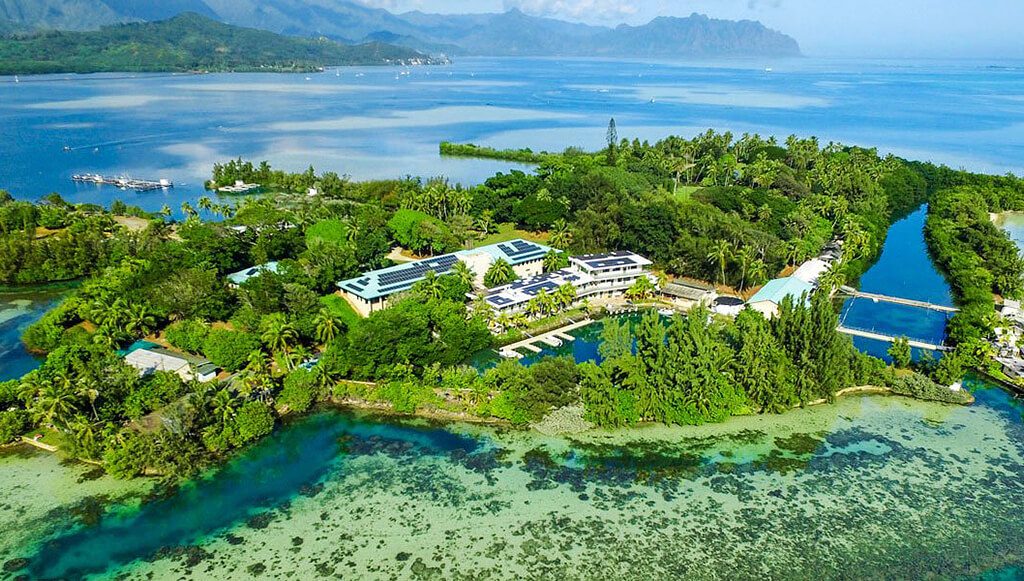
x=406 y=277
x=521 y=250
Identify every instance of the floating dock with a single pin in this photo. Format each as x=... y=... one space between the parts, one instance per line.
x=551 y=338
x=125 y=183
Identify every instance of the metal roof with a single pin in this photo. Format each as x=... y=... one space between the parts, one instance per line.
x=385 y=282
x=239 y=278
x=780 y=288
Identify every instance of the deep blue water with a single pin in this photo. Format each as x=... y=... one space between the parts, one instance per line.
x=903 y=270
x=377 y=123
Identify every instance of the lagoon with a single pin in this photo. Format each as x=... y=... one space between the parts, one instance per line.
x=871 y=487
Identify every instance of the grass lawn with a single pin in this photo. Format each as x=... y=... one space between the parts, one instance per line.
x=508 y=232
x=684 y=192
x=341 y=309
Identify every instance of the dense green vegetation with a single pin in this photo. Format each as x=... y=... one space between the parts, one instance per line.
x=188 y=42
x=470 y=150
x=291 y=343
x=977 y=257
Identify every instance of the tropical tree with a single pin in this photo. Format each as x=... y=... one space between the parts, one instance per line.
x=832 y=279
x=555 y=260
x=794 y=253
x=719 y=255
x=57 y=402
x=565 y=295
x=745 y=257
x=500 y=273
x=561 y=234
x=641 y=289
x=327 y=326
x=485 y=223
x=464 y=273
x=900 y=352
x=431 y=285
x=277 y=333
x=139 y=320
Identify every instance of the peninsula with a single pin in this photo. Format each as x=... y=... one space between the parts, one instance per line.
x=190 y=338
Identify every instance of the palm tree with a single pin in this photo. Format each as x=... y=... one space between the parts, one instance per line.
x=565 y=295
x=327 y=326
x=641 y=289
x=431 y=285
x=745 y=257
x=205 y=203
x=222 y=406
x=87 y=387
x=832 y=279
x=500 y=273
x=504 y=321
x=561 y=234
x=57 y=402
x=554 y=260
x=139 y=320
x=165 y=211
x=720 y=254
x=277 y=333
x=464 y=273
x=485 y=223
x=757 y=271
x=534 y=306
x=793 y=253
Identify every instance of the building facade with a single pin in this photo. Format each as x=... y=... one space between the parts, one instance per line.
x=371 y=291
x=592 y=276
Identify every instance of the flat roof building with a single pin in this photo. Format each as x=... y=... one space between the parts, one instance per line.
x=154 y=358
x=514 y=297
x=369 y=292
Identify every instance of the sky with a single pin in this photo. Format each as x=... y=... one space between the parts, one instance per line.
x=869 y=28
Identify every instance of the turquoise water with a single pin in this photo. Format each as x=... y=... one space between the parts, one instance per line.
x=18 y=310
x=871 y=487
x=903 y=270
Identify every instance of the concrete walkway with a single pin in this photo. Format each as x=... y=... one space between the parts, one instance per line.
x=552 y=338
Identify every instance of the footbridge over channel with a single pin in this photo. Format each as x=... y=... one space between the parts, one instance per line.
x=852 y=292
x=883 y=336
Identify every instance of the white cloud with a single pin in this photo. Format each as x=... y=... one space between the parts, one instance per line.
x=392 y=5
x=576 y=9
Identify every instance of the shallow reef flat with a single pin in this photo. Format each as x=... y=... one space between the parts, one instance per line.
x=871 y=487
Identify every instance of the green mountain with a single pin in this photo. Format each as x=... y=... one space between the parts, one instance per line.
x=188 y=42
x=502 y=34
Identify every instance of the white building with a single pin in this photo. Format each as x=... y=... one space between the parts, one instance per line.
x=594 y=275
x=155 y=358
x=370 y=291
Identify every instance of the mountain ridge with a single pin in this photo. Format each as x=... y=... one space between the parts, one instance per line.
x=188 y=42
x=510 y=33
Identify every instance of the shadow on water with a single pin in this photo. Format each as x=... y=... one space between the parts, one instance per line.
x=288 y=463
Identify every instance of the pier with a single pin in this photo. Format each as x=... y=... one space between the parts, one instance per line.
x=551 y=338
x=125 y=183
x=854 y=293
x=889 y=338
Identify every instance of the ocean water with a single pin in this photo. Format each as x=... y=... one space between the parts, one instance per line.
x=382 y=123
x=871 y=487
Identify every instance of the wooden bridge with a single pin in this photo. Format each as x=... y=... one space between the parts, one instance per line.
x=889 y=338
x=852 y=292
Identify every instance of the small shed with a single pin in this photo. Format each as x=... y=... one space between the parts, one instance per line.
x=689 y=293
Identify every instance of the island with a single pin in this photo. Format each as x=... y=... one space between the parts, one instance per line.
x=710 y=264
x=188 y=43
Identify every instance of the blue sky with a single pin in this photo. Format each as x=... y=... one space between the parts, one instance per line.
x=876 y=28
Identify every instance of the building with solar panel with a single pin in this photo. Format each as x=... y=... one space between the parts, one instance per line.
x=370 y=291
x=592 y=275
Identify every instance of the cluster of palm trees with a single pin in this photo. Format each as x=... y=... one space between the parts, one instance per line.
x=438 y=199
x=751 y=262
x=544 y=304
x=642 y=289
x=117 y=319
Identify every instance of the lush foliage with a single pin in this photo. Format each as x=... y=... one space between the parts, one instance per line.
x=188 y=42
